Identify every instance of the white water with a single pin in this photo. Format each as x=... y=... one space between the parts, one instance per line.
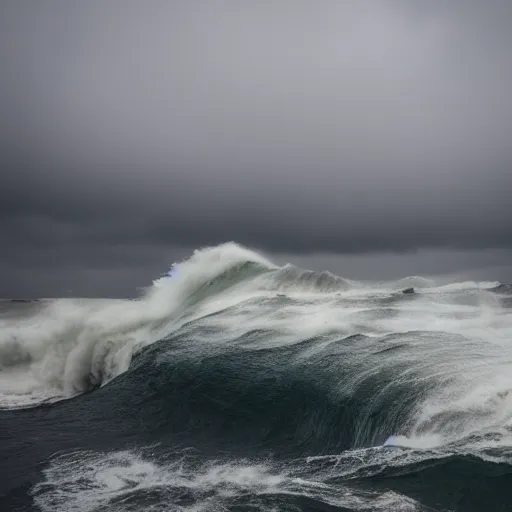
x=457 y=335
x=128 y=481
x=54 y=353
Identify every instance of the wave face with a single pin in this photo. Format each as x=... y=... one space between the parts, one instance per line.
x=240 y=385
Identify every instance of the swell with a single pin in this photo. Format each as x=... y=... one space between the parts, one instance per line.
x=443 y=480
x=290 y=278
x=251 y=386
x=454 y=482
x=290 y=399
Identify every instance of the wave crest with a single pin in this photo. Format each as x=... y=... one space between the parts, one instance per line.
x=72 y=346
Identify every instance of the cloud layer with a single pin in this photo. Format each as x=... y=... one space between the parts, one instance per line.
x=295 y=127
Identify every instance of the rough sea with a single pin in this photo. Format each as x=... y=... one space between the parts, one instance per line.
x=239 y=385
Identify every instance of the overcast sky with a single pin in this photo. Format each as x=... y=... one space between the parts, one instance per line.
x=322 y=132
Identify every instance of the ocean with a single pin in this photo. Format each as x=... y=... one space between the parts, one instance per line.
x=239 y=385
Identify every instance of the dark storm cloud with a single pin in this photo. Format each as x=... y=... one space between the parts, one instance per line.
x=336 y=127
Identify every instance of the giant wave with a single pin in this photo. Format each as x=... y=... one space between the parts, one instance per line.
x=301 y=381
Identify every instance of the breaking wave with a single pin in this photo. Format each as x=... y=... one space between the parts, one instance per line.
x=69 y=346
x=315 y=379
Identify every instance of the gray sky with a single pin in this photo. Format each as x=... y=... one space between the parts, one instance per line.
x=323 y=132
